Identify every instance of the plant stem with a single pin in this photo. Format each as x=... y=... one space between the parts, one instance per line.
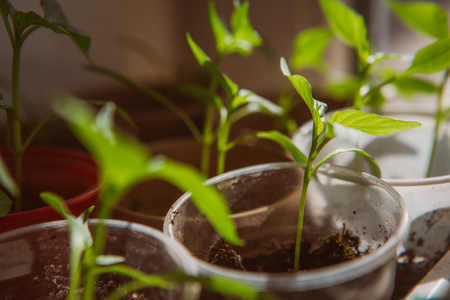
x=16 y=126
x=438 y=122
x=301 y=214
x=222 y=142
x=207 y=139
x=301 y=211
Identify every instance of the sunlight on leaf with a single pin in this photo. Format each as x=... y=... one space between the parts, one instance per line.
x=427 y=17
x=309 y=48
x=371 y=123
x=431 y=59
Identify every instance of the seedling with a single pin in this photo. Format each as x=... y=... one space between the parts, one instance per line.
x=238 y=103
x=340 y=124
x=365 y=89
x=19 y=26
x=123 y=163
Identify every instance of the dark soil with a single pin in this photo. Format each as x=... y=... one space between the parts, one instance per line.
x=334 y=249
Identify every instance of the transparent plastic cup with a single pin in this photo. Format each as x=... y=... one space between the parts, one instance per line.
x=264 y=200
x=34 y=261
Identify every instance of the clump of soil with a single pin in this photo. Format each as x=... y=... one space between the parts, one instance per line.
x=336 y=248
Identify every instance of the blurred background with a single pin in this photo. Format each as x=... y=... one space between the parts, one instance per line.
x=146 y=40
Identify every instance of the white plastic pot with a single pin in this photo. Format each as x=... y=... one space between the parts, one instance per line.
x=264 y=200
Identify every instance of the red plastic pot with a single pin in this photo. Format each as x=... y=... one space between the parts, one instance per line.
x=71 y=174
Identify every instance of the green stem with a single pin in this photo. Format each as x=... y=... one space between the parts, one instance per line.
x=207 y=139
x=16 y=126
x=438 y=122
x=301 y=214
x=208 y=125
x=222 y=144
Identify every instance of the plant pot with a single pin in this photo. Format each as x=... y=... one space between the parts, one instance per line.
x=264 y=201
x=403 y=159
x=35 y=260
x=149 y=202
x=70 y=174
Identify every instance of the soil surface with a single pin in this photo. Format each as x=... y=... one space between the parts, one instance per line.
x=336 y=248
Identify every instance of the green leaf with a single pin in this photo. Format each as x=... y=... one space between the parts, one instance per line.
x=124 y=162
x=229 y=86
x=80 y=236
x=245 y=38
x=431 y=59
x=304 y=89
x=427 y=17
x=7 y=180
x=373 y=165
x=223 y=37
x=261 y=104
x=348 y=25
x=107 y=260
x=222 y=286
x=370 y=123
x=199 y=54
x=285 y=142
x=344 y=89
x=409 y=86
x=121 y=160
x=207 y=198
x=57 y=203
x=6 y=9
x=309 y=48
x=5 y=204
x=54 y=14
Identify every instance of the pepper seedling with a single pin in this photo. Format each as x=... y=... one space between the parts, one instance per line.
x=340 y=124
x=365 y=89
x=19 y=26
x=124 y=162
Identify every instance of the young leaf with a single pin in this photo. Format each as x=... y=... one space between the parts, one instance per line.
x=409 y=86
x=207 y=199
x=348 y=25
x=54 y=14
x=431 y=59
x=230 y=87
x=221 y=34
x=125 y=162
x=245 y=96
x=309 y=48
x=428 y=17
x=304 y=89
x=245 y=38
x=370 y=123
x=6 y=180
x=344 y=89
x=285 y=142
x=107 y=260
x=199 y=54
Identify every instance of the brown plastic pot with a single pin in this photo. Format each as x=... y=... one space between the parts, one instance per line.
x=70 y=174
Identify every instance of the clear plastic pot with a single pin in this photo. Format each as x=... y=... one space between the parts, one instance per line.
x=264 y=200
x=403 y=158
x=34 y=260
x=148 y=202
